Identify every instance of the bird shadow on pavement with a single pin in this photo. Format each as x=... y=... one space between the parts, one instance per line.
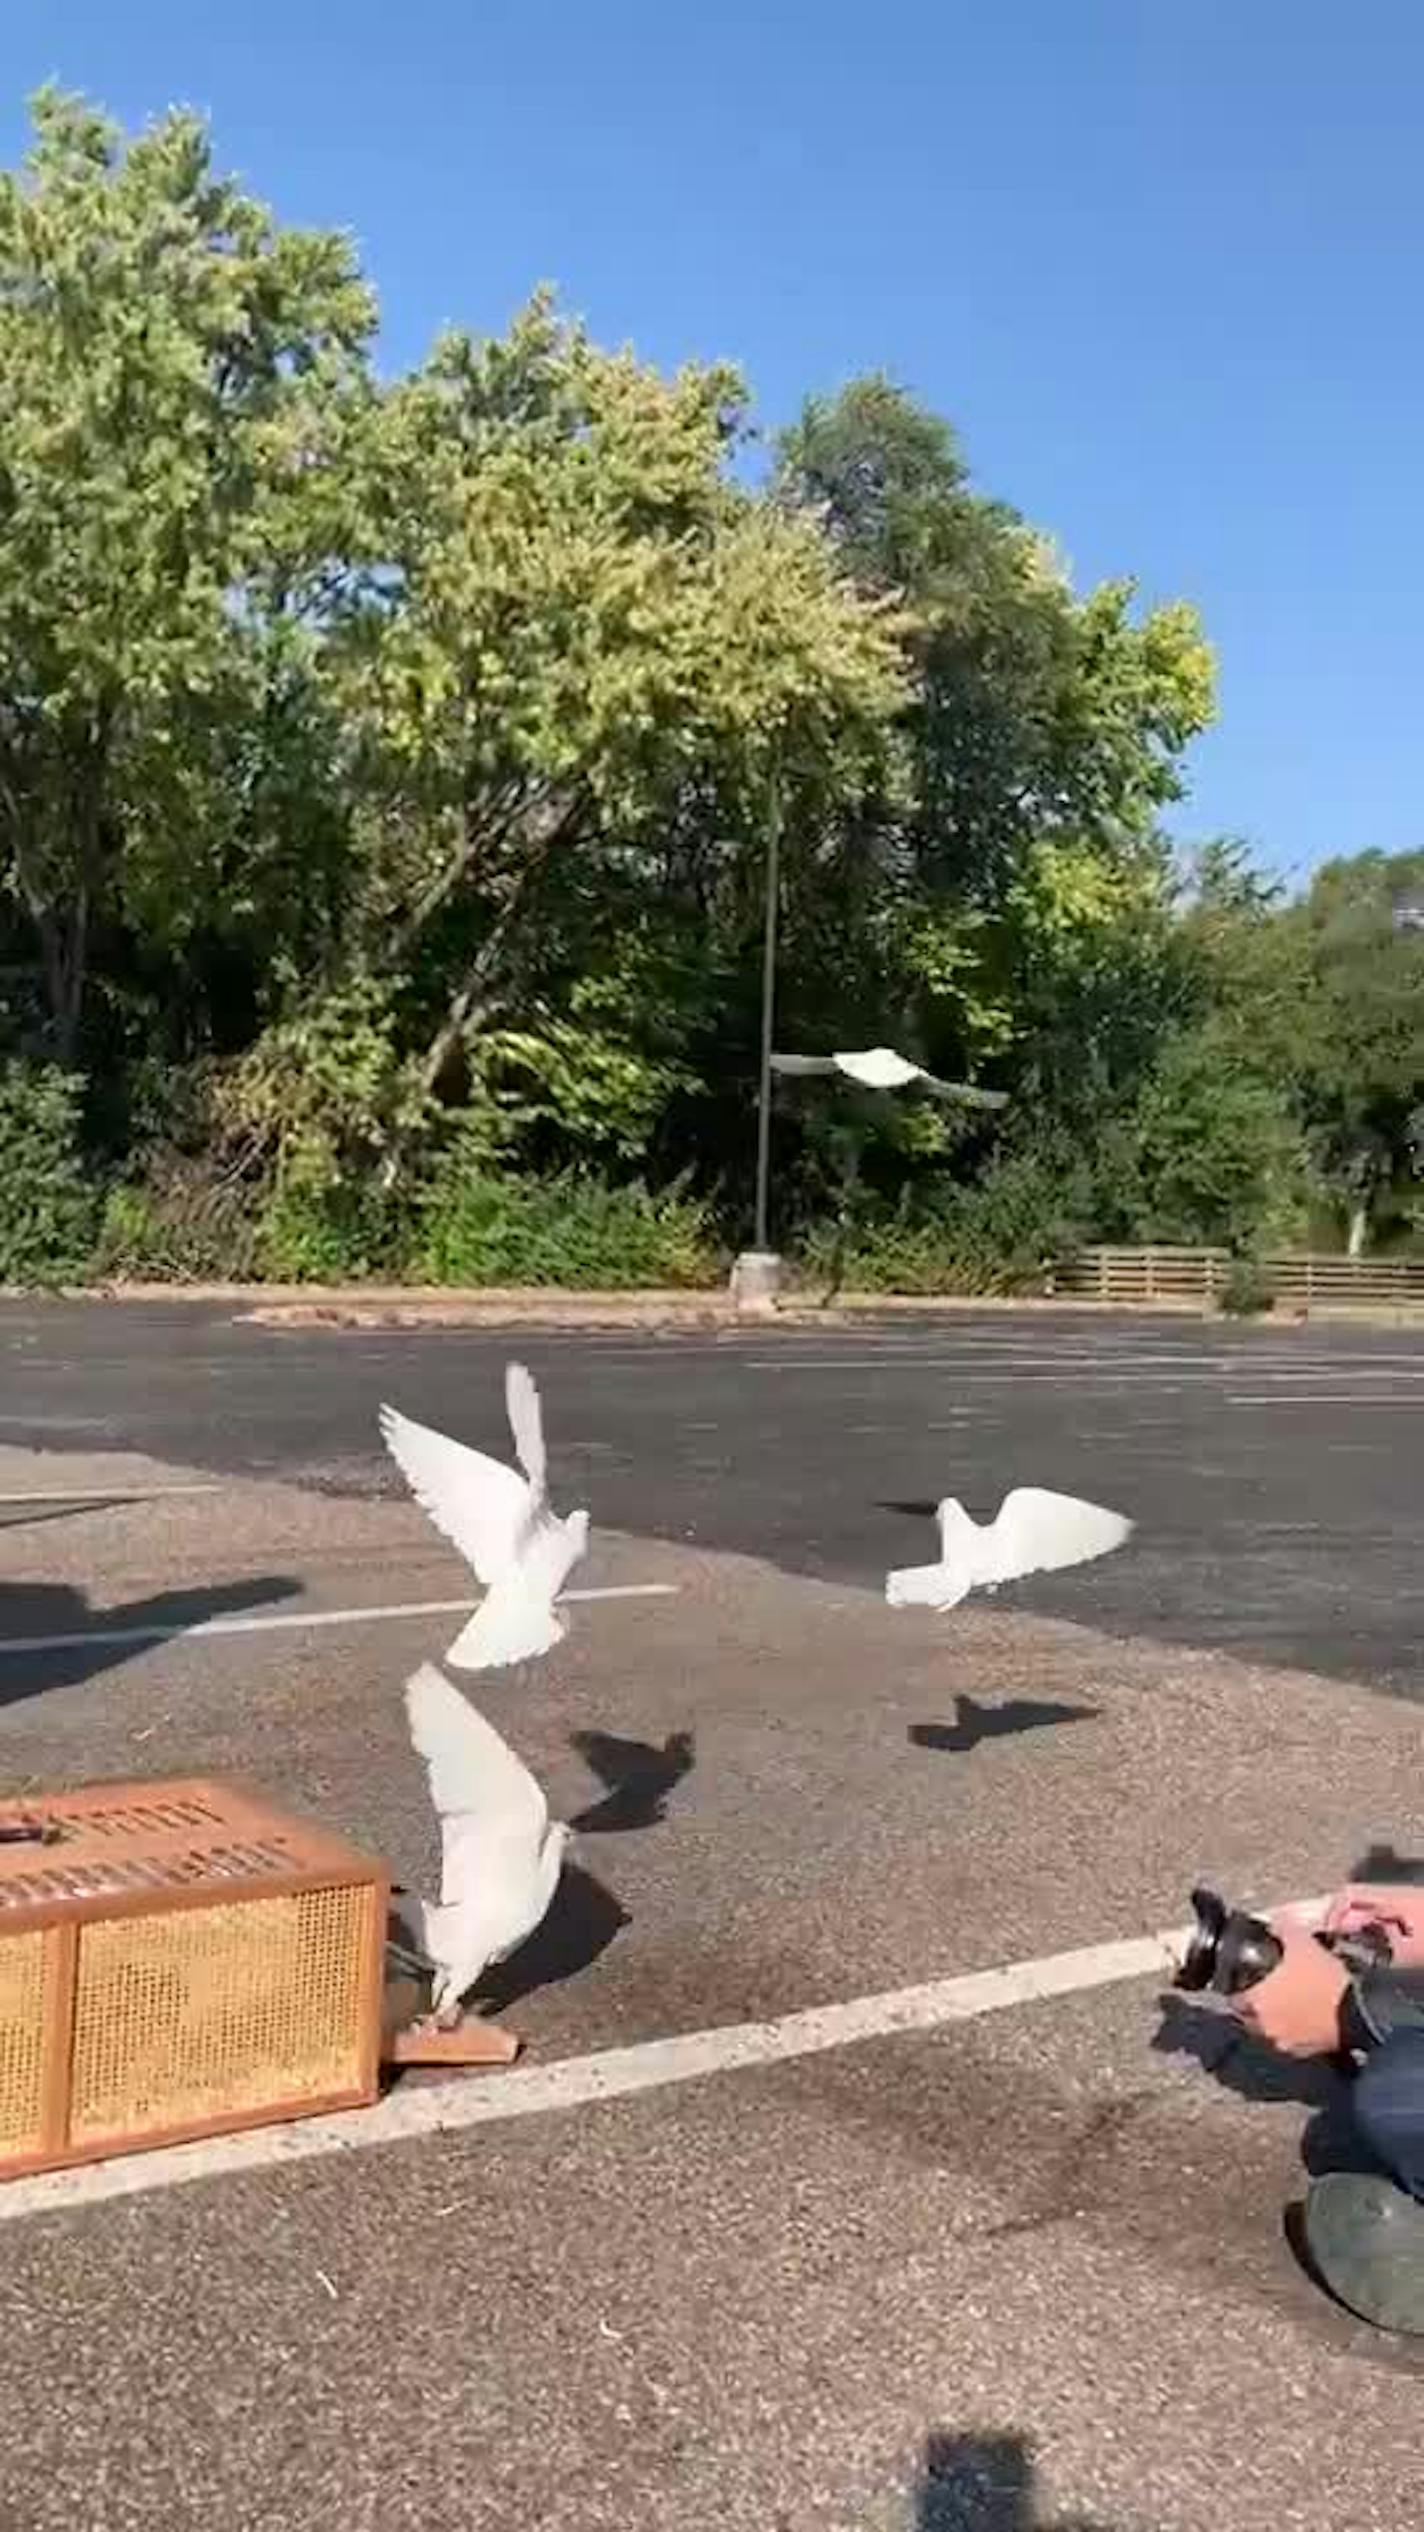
x=54 y=1610
x=638 y=1775
x=975 y=1722
x=985 y=2483
x=582 y=1920
x=923 y=1508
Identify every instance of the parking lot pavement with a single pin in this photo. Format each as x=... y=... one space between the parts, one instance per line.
x=1028 y=2245
x=1275 y=1473
x=1022 y=2272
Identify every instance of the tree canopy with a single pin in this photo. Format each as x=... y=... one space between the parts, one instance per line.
x=386 y=765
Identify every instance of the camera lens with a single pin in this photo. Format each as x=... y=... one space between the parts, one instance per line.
x=1229 y=1950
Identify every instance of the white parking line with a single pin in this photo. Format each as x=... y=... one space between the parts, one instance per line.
x=576 y=2083
x=363 y=1616
x=1365 y=1400
x=109 y=1494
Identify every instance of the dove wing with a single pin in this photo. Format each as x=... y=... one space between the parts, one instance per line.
x=492 y=1812
x=482 y=1507
x=526 y=1423
x=1037 y=1532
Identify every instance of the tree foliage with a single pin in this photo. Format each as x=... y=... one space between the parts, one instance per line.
x=386 y=766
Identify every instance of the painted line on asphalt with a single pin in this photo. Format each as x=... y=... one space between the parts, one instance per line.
x=290 y=1618
x=1367 y=1398
x=109 y=1494
x=617 y=2074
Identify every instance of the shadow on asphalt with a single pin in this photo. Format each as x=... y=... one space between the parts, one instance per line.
x=638 y=1775
x=583 y=1920
x=1384 y=1863
x=974 y=1722
x=921 y=1508
x=985 y=2483
x=53 y=1610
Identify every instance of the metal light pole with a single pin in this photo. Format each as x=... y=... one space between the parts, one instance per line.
x=756 y=1274
x=762 y=1232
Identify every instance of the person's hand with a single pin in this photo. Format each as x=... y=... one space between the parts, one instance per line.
x=1398 y=1908
x=1296 y=2006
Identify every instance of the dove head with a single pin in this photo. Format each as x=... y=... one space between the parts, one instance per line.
x=954 y=1521
x=577 y=1528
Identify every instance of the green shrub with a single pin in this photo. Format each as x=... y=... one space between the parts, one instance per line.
x=480 y=1227
x=179 y=1223
x=1245 y=1289
x=339 y=1233
x=997 y=1235
x=48 y=1207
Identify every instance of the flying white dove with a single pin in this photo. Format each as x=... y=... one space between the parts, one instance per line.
x=1035 y=1533
x=501 y=1854
x=880 y=1068
x=501 y=1523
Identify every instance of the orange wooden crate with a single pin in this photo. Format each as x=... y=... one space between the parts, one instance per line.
x=178 y=1958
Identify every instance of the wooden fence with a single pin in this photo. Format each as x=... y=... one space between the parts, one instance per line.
x=1192 y=1278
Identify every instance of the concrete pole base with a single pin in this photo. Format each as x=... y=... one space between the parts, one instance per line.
x=755 y=1283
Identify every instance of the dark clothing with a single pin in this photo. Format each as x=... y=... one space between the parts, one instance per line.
x=1388 y=2104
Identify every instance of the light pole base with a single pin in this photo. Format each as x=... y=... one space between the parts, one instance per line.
x=756 y=1281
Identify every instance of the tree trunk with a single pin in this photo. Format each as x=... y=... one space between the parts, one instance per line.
x=1359 y=1228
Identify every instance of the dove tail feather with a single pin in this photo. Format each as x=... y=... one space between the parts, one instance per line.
x=926 y=1587
x=506 y=1628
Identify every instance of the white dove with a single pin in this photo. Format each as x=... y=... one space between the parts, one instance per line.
x=1035 y=1532
x=501 y=1522
x=501 y=1854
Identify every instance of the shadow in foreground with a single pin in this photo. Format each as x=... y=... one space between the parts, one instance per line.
x=985 y=2483
x=974 y=1722
x=583 y=1920
x=639 y=1776
x=54 y=1611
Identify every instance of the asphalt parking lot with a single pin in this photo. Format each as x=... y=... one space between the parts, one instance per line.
x=1005 y=2255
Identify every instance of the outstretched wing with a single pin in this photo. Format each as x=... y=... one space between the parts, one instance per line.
x=481 y=1506
x=492 y=1811
x=526 y=1423
x=1037 y=1532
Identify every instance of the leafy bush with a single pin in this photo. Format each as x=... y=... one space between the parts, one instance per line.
x=1245 y=1289
x=179 y=1223
x=331 y=1233
x=479 y=1227
x=48 y=1207
x=998 y=1235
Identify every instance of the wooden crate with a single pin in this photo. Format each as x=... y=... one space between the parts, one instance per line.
x=176 y=1959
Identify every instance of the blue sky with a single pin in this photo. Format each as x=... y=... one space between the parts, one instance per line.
x=1161 y=267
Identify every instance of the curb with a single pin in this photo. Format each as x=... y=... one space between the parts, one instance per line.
x=652 y=1310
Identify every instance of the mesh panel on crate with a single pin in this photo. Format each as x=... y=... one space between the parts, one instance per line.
x=22 y=1962
x=181 y=2016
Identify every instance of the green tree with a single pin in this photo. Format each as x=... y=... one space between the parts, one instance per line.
x=1363 y=1056
x=1044 y=737
x=576 y=658
x=169 y=362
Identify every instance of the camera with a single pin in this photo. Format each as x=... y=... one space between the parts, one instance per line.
x=1230 y=1951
